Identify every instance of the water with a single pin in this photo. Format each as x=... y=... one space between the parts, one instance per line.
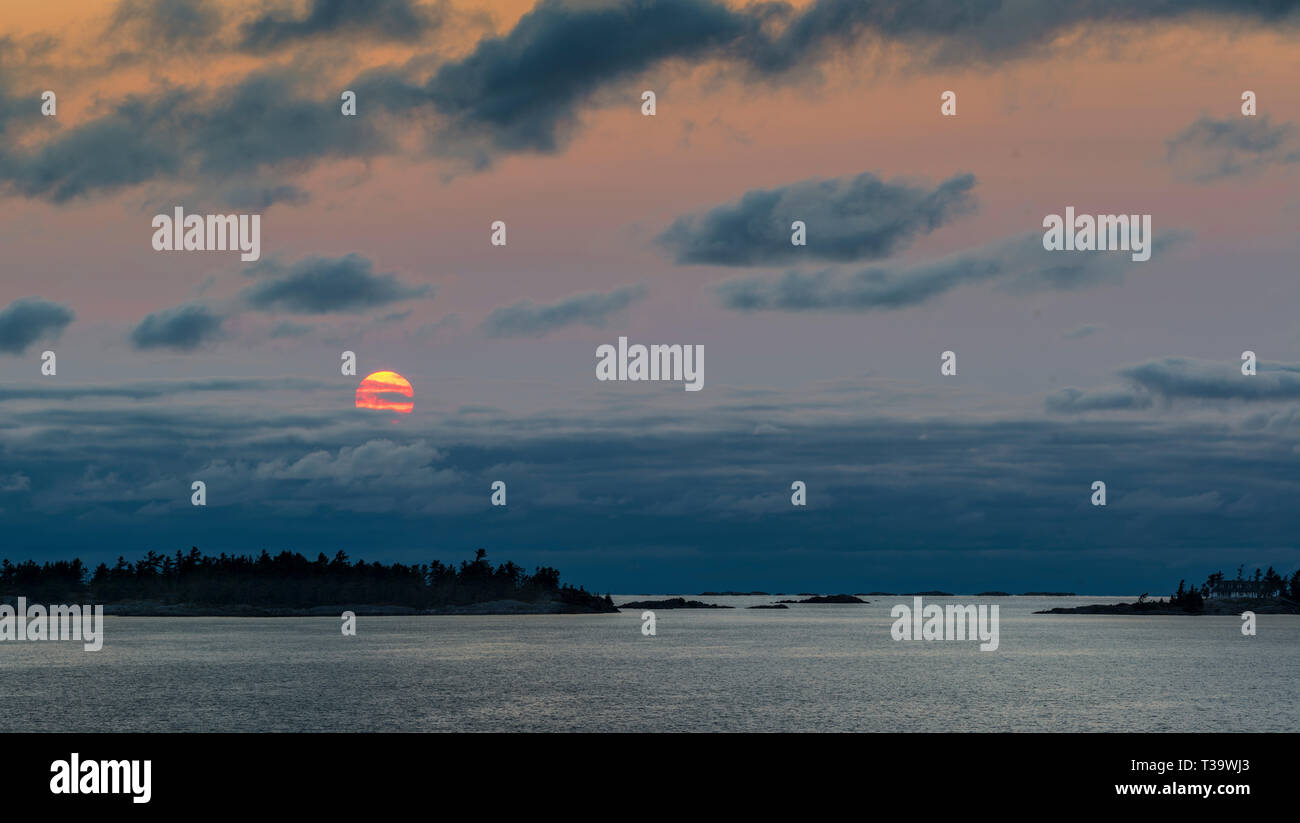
x=810 y=668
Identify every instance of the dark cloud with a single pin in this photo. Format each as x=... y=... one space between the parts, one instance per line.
x=1181 y=378
x=17 y=110
x=183 y=328
x=235 y=137
x=122 y=148
x=169 y=22
x=870 y=289
x=13 y=108
x=849 y=218
x=29 y=319
x=265 y=122
x=529 y=319
x=1074 y=401
x=1020 y=265
x=399 y=20
x=982 y=31
x=522 y=91
x=1211 y=149
x=320 y=285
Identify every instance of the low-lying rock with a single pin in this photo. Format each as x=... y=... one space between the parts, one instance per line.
x=672 y=603
x=828 y=598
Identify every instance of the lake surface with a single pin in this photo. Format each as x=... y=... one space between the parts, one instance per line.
x=809 y=668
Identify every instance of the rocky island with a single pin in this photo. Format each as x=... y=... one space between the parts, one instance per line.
x=671 y=603
x=827 y=598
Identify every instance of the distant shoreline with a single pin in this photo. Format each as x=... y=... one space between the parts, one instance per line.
x=151 y=608
x=493 y=607
x=157 y=608
x=1218 y=607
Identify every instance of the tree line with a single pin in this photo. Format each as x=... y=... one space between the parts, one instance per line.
x=1263 y=584
x=287 y=579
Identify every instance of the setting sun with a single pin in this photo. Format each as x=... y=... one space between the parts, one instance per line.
x=370 y=394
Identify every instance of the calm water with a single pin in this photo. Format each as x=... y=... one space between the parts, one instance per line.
x=811 y=668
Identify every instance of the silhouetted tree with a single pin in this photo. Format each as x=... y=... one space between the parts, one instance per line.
x=287 y=579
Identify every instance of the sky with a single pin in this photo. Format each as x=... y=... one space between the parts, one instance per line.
x=822 y=361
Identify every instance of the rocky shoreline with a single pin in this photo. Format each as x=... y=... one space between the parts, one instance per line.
x=1215 y=607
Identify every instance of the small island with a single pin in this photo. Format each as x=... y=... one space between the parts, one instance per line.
x=828 y=598
x=1265 y=593
x=993 y=594
x=769 y=606
x=671 y=603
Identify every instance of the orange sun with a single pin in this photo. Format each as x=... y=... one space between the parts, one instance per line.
x=385 y=383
